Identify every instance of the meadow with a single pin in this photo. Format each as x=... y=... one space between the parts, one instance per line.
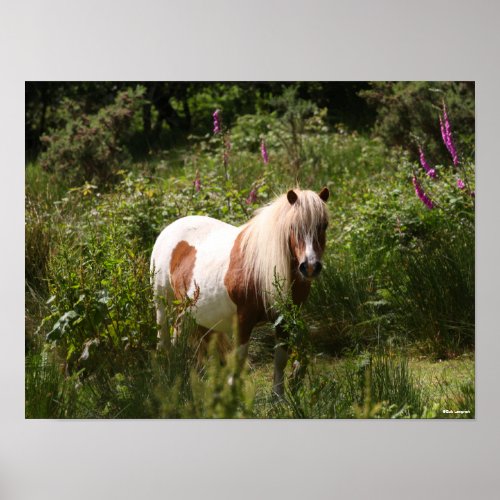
x=388 y=331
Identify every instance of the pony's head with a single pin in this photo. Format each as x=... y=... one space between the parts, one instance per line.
x=287 y=239
x=307 y=238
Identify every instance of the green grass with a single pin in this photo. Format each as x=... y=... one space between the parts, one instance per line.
x=49 y=394
x=171 y=386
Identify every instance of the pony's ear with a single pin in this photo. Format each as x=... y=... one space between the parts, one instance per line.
x=324 y=194
x=291 y=196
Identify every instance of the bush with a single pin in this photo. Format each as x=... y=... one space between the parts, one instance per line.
x=407 y=113
x=90 y=147
x=101 y=304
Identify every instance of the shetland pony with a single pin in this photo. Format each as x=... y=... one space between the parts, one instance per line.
x=231 y=270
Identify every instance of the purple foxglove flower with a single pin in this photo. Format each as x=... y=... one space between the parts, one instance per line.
x=430 y=171
x=252 y=197
x=420 y=193
x=217 y=127
x=263 y=150
x=443 y=132
x=460 y=184
x=447 y=136
x=453 y=153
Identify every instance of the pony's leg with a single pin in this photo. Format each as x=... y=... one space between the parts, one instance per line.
x=163 y=330
x=204 y=337
x=160 y=301
x=241 y=355
x=280 y=361
x=245 y=325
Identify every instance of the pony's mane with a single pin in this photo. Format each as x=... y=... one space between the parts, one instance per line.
x=266 y=237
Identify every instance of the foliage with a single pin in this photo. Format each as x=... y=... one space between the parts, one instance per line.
x=100 y=301
x=48 y=393
x=400 y=272
x=168 y=385
x=407 y=113
x=89 y=146
x=38 y=236
x=296 y=333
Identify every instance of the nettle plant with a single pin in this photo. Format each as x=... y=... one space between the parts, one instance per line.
x=444 y=187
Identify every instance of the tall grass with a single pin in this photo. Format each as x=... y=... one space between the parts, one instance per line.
x=48 y=393
x=366 y=386
x=433 y=293
x=171 y=385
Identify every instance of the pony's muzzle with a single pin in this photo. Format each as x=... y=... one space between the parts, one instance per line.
x=310 y=270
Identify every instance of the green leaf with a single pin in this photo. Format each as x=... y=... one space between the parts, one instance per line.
x=279 y=320
x=61 y=326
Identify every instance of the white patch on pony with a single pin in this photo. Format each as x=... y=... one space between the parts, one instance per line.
x=213 y=241
x=310 y=254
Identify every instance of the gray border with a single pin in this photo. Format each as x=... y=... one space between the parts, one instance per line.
x=258 y=40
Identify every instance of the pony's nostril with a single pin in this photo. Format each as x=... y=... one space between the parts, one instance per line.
x=310 y=270
x=303 y=268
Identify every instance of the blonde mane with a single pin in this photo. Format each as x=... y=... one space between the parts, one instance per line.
x=266 y=239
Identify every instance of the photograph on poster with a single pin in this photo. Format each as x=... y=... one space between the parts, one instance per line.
x=250 y=250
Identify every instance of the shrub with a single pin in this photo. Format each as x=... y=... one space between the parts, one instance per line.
x=91 y=147
x=407 y=113
x=101 y=302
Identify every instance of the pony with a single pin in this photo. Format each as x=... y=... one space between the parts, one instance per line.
x=229 y=272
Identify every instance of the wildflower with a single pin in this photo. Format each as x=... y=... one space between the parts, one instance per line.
x=460 y=184
x=217 y=127
x=197 y=182
x=446 y=135
x=420 y=193
x=252 y=197
x=263 y=150
x=443 y=132
x=430 y=171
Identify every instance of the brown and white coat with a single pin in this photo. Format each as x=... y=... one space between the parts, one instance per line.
x=232 y=269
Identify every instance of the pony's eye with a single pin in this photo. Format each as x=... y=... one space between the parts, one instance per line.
x=322 y=227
